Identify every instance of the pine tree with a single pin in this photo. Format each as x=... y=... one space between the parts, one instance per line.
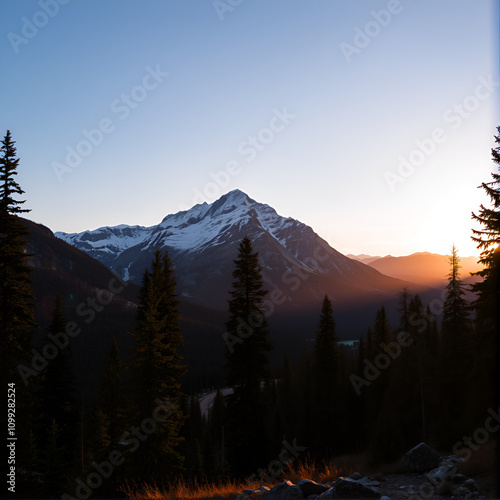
x=16 y=297
x=287 y=399
x=110 y=398
x=325 y=347
x=156 y=372
x=54 y=466
x=378 y=402
x=454 y=346
x=404 y=303
x=217 y=421
x=455 y=322
x=58 y=391
x=326 y=380
x=247 y=345
x=487 y=305
x=194 y=431
x=381 y=331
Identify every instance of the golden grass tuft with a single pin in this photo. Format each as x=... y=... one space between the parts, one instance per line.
x=180 y=489
x=187 y=490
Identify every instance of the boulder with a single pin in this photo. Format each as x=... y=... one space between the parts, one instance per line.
x=369 y=481
x=284 y=491
x=472 y=496
x=327 y=495
x=438 y=476
x=471 y=484
x=421 y=458
x=356 y=476
x=460 y=491
x=348 y=488
x=457 y=478
x=256 y=492
x=309 y=487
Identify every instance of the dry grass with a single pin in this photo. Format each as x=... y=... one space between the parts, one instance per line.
x=187 y=490
x=194 y=490
x=324 y=472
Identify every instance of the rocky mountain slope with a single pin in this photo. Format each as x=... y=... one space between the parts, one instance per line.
x=299 y=267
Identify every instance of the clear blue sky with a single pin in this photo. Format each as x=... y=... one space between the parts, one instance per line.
x=310 y=106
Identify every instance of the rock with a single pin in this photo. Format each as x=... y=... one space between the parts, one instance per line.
x=472 y=496
x=384 y=498
x=451 y=461
x=309 y=487
x=327 y=495
x=457 y=478
x=460 y=491
x=438 y=476
x=256 y=492
x=356 y=476
x=421 y=458
x=368 y=481
x=284 y=491
x=471 y=484
x=348 y=488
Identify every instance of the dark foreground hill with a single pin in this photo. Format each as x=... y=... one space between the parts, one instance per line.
x=103 y=306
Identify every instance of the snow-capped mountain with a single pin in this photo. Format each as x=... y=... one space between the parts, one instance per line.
x=298 y=266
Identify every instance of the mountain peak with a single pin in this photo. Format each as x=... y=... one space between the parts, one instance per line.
x=236 y=196
x=229 y=201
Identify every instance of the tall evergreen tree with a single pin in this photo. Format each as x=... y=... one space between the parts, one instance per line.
x=246 y=350
x=16 y=297
x=326 y=381
x=156 y=372
x=454 y=349
x=487 y=305
x=58 y=391
x=107 y=420
x=218 y=455
x=111 y=398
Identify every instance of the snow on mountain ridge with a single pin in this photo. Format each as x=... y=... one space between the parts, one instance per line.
x=184 y=230
x=203 y=226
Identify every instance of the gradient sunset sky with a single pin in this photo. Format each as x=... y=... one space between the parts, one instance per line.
x=371 y=121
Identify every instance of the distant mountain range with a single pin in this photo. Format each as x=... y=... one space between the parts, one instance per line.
x=298 y=266
x=423 y=268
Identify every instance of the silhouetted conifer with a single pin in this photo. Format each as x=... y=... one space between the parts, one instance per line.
x=246 y=351
x=156 y=372
x=326 y=372
x=486 y=345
